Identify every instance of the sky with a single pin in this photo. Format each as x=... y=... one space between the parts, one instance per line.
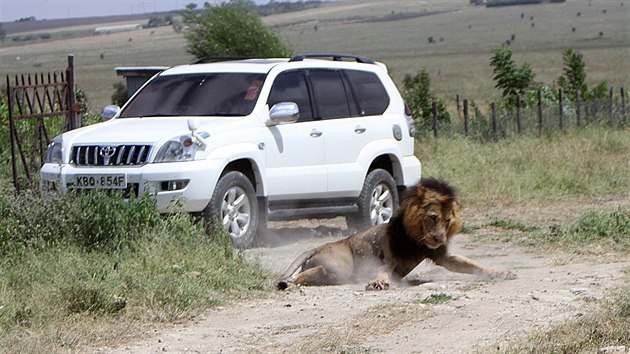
x=11 y=10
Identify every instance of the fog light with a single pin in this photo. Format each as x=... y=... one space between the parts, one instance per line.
x=175 y=185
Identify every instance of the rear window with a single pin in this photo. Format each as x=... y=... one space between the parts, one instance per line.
x=369 y=91
x=330 y=94
x=208 y=94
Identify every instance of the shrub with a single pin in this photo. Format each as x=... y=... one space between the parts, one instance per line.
x=510 y=78
x=231 y=29
x=418 y=96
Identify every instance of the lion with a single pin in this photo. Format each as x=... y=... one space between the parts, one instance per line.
x=428 y=217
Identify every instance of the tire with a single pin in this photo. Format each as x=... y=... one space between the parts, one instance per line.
x=377 y=202
x=234 y=207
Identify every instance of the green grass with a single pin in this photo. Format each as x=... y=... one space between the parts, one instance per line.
x=590 y=162
x=508 y=224
x=132 y=265
x=595 y=231
x=436 y=299
x=607 y=327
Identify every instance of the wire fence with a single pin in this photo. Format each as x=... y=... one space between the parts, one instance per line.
x=538 y=117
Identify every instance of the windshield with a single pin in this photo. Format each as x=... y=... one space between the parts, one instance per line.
x=207 y=94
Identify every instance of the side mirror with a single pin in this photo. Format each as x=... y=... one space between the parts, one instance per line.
x=193 y=124
x=283 y=112
x=109 y=112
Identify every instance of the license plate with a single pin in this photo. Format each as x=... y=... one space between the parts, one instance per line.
x=116 y=181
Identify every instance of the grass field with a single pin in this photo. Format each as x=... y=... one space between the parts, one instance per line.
x=395 y=32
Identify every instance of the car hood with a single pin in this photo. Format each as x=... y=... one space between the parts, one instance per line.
x=143 y=130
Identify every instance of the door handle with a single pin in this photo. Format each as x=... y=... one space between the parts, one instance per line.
x=359 y=129
x=316 y=133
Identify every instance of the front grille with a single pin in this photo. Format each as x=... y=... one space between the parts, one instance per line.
x=110 y=155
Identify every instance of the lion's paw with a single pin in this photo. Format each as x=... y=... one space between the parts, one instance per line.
x=377 y=285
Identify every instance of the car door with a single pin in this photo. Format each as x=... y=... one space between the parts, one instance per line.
x=353 y=122
x=295 y=152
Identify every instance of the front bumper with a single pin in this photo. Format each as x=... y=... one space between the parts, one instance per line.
x=185 y=186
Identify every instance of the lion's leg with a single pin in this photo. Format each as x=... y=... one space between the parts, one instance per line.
x=332 y=265
x=463 y=264
x=381 y=282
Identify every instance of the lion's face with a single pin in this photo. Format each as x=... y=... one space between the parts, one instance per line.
x=432 y=214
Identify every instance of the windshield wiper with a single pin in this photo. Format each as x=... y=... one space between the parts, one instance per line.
x=158 y=115
x=226 y=114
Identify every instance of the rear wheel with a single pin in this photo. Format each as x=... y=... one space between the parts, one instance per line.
x=377 y=202
x=234 y=207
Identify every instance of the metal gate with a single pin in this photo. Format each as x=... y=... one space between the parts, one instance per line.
x=41 y=105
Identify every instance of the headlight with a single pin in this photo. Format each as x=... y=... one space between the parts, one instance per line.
x=53 y=155
x=179 y=149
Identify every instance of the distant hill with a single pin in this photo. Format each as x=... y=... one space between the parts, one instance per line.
x=40 y=25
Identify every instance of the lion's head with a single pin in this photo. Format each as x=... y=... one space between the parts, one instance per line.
x=431 y=213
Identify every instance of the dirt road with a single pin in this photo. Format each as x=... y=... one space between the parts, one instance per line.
x=442 y=312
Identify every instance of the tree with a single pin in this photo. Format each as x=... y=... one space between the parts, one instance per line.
x=418 y=96
x=511 y=79
x=120 y=96
x=3 y=33
x=230 y=29
x=573 y=79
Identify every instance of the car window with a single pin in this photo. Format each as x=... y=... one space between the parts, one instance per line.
x=291 y=87
x=330 y=94
x=207 y=94
x=369 y=91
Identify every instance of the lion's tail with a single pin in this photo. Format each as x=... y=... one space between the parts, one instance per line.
x=287 y=277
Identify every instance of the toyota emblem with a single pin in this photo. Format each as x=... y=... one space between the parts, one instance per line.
x=107 y=151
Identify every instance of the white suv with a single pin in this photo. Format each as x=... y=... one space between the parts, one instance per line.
x=239 y=141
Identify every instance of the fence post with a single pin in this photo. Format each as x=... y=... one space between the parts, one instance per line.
x=494 y=120
x=610 y=107
x=11 y=136
x=518 y=113
x=72 y=114
x=435 y=119
x=466 y=117
x=624 y=115
x=560 y=120
x=540 y=112
x=577 y=109
x=458 y=107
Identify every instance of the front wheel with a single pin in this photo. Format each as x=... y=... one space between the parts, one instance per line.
x=377 y=202
x=233 y=207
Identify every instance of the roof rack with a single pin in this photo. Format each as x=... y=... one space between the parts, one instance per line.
x=335 y=57
x=206 y=60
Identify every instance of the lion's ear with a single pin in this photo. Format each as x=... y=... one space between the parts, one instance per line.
x=421 y=191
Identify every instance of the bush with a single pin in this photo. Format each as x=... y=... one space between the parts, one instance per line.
x=69 y=261
x=231 y=29
x=418 y=96
x=92 y=221
x=511 y=79
x=120 y=96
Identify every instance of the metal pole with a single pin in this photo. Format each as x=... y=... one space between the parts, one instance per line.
x=624 y=114
x=518 y=114
x=466 y=117
x=540 y=112
x=494 y=120
x=73 y=121
x=435 y=119
x=577 y=109
x=11 y=135
x=560 y=122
